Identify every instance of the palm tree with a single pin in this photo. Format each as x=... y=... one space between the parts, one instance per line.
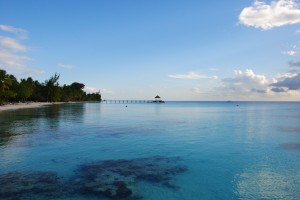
x=53 y=90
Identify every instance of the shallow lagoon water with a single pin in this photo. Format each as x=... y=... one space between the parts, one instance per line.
x=231 y=150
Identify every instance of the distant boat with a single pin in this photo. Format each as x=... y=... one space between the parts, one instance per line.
x=158 y=100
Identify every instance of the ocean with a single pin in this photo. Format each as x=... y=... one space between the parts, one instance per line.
x=172 y=150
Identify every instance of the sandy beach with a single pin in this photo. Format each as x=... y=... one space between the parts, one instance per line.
x=23 y=105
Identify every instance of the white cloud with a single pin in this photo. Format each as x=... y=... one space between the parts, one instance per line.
x=267 y=16
x=192 y=75
x=291 y=53
x=66 y=66
x=250 y=76
x=250 y=86
x=10 y=44
x=9 y=60
x=18 y=31
x=11 y=50
x=245 y=82
x=88 y=89
x=281 y=77
x=295 y=51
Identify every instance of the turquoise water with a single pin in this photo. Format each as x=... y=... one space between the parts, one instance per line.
x=229 y=150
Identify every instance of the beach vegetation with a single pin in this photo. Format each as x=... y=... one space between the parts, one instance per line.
x=6 y=86
x=12 y=90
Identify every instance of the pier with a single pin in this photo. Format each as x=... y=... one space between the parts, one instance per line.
x=157 y=99
x=126 y=101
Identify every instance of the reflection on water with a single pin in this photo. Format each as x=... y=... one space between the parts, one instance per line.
x=34 y=121
x=266 y=183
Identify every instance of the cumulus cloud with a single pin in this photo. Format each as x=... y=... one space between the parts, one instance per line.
x=289 y=82
x=267 y=16
x=66 y=66
x=245 y=82
x=192 y=75
x=11 y=50
x=248 y=85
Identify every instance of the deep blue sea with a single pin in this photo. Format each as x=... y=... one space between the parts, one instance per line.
x=175 y=150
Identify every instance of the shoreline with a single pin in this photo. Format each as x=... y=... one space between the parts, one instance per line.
x=25 y=105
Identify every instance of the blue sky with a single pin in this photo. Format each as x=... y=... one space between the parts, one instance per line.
x=136 y=49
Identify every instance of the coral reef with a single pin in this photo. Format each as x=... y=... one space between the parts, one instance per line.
x=112 y=179
x=29 y=185
x=116 y=178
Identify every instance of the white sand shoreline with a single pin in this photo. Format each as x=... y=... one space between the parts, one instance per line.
x=25 y=105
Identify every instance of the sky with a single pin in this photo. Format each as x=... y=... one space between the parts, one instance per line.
x=192 y=50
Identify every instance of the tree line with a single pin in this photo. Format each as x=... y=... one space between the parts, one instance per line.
x=12 y=90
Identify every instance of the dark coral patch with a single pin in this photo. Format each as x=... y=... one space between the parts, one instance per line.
x=290 y=129
x=116 y=178
x=16 y=185
x=290 y=146
x=112 y=179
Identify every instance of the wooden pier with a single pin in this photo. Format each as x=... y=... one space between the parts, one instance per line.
x=156 y=100
x=126 y=101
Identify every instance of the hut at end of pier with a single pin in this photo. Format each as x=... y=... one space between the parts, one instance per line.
x=158 y=100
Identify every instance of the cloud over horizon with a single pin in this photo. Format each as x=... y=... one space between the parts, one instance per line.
x=267 y=16
x=291 y=82
x=245 y=82
x=192 y=75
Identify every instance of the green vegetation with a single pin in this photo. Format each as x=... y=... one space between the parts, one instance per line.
x=11 y=90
